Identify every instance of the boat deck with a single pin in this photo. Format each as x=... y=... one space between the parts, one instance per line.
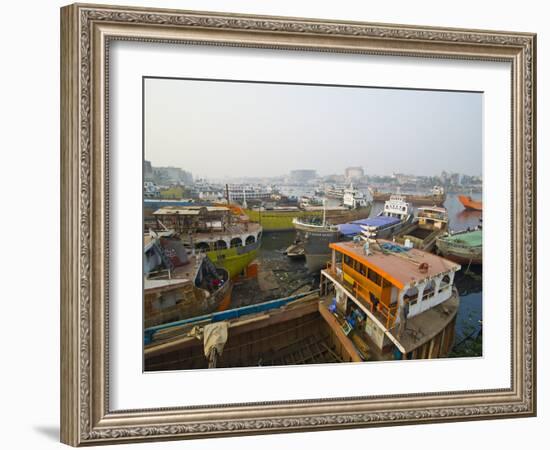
x=425 y=326
x=470 y=239
x=293 y=334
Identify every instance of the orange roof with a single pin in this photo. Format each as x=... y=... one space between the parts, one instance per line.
x=399 y=269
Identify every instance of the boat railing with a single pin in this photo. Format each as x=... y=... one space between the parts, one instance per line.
x=389 y=313
x=149 y=332
x=437 y=216
x=335 y=270
x=160 y=274
x=458 y=244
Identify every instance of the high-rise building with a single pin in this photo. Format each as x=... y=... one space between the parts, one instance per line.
x=302 y=175
x=171 y=175
x=353 y=173
x=147 y=171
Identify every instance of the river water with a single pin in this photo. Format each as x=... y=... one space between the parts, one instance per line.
x=290 y=275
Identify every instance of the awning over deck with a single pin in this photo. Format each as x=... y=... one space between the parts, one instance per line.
x=353 y=228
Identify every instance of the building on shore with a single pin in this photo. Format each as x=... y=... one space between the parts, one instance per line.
x=354 y=173
x=166 y=175
x=302 y=175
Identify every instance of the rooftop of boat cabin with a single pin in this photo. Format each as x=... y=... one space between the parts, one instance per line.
x=438 y=209
x=355 y=227
x=398 y=265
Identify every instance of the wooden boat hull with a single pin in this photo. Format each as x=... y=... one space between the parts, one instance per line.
x=464 y=248
x=295 y=251
x=289 y=335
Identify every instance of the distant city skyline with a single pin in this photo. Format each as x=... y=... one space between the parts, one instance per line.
x=286 y=175
x=236 y=130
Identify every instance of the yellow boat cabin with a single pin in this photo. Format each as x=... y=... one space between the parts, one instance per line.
x=395 y=301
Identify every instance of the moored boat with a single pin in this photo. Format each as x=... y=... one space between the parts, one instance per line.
x=430 y=223
x=469 y=203
x=464 y=247
x=317 y=236
x=379 y=302
x=295 y=250
x=223 y=233
x=179 y=284
x=353 y=198
x=287 y=331
x=280 y=218
x=398 y=302
x=436 y=197
x=334 y=192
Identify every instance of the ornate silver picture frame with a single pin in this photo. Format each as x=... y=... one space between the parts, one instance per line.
x=87 y=32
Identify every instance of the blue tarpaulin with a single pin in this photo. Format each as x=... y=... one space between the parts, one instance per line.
x=353 y=228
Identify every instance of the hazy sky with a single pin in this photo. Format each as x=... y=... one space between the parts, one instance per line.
x=218 y=129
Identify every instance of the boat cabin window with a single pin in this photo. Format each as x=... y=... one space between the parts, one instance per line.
x=220 y=245
x=411 y=296
x=236 y=242
x=360 y=268
x=374 y=277
x=445 y=282
x=347 y=260
x=429 y=290
x=203 y=246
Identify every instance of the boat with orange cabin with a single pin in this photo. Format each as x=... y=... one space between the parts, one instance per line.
x=377 y=301
x=397 y=302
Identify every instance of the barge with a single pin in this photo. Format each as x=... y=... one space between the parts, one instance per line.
x=430 y=223
x=436 y=197
x=288 y=331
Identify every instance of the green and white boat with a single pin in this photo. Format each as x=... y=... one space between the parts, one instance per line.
x=463 y=247
x=228 y=238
